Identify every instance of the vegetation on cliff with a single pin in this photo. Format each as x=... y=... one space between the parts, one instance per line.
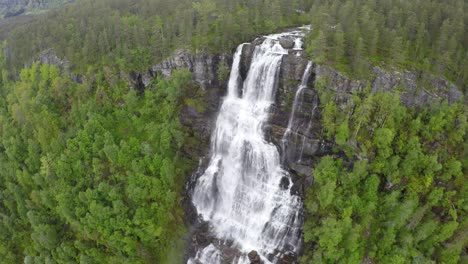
x=425 y=36
x=90 y=173
x=133 y=35
x=394 y=191
x=93 y=172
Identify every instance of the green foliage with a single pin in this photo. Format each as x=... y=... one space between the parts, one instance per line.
x=223 y=71
x=93 y=172
x=91 y=177
x=397 y=196
x=425 y=36
x=136 y=34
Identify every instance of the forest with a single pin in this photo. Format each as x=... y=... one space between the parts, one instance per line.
x=132 y=35
x=424 y=36
x=394 y=191
x=90 y=176
x=94 y=172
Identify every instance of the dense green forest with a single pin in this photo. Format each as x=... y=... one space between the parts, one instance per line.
x=135 y=34
x=93 y=172
x=395 y=191
x=424 y=36
x=90 y=174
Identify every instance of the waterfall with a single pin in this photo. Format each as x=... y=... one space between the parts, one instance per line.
x=244 y=193
x=296 y=102
x=309 y=126
x=305 y=79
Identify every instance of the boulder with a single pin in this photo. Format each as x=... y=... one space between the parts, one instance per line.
x=289 y=257
x=254 y=257
x=284 y=184
x=286 y=42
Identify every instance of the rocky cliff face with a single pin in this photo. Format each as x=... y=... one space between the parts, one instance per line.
x=205 y=74
x=9 y=8
x=305 y=145
x=204 y=70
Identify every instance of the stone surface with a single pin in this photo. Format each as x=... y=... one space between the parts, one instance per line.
x=50 y=57
x=203 y=66
x=254 y=257
x=289 y=258
x=286 y=42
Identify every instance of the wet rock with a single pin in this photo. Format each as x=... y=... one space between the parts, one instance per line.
x=310 y=147
x=289 y=257
x=246 y=59
x=202 y=237
x=301 y=170
x=254 y=257
x=297 y=189
x=229 y=254
x=284 y=184
x=286 y=42
x=277 y=133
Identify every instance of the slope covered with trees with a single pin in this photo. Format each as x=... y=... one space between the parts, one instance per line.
x=425 y=36
x=93 y=172
x=135 y=34
x=90 y=174
x=394 y=190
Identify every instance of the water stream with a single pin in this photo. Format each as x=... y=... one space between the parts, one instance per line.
x=296 y=103
x=239 y=193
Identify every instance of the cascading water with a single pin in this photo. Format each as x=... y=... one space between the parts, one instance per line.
x=297 y=100
x=242 y=192
x=315 y=103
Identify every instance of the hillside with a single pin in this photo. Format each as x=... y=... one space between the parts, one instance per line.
x=214 y=131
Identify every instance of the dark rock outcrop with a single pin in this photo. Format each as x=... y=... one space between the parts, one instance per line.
x=254 y=257
x=289 y=258
x=50 y=57
x=286 y=42
x=203 y=66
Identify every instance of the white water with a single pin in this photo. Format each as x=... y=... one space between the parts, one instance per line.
x=309 y=126
x=297 y=97
x=239 y=194
x=297 y=100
